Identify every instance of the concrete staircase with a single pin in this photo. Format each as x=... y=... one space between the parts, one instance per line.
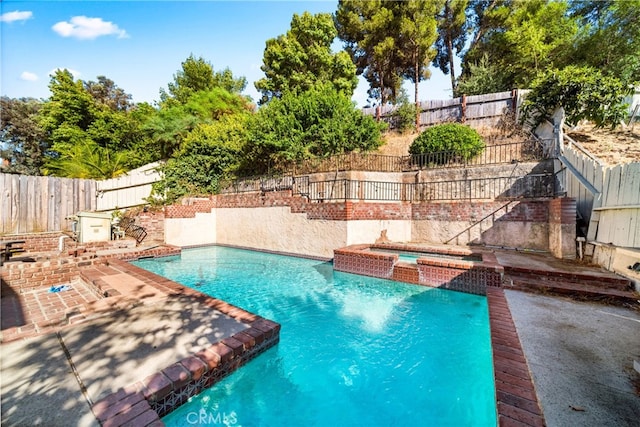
x=598 y=287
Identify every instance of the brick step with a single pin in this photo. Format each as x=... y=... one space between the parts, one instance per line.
x=587 y=291
x=92 y=276
x=610 y=281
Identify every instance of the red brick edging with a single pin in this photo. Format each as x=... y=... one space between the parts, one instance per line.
x=144 y=402
x=516 y=400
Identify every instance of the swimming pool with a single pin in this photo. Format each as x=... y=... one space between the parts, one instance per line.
x=353 y=350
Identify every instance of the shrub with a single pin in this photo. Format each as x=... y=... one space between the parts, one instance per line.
x=404 y=117
x=460 y=142
x=583 y=92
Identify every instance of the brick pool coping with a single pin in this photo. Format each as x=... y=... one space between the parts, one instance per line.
x=144 y=402
x=516 y=399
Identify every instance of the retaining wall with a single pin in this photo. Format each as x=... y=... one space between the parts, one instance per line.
x=278 y=221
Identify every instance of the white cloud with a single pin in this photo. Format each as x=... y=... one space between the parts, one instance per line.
x=28 y=76
x=74 y=73
x=15 y=16
x=84 y=28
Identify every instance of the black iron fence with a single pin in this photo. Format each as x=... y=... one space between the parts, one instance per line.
x=514 y=187
x=299 y=182
x=523 y=151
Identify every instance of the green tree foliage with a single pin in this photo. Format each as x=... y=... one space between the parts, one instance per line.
x=482 y=77
x=583 y=92
x=172 y=123
x=416 y=35
x=210 y=153
x=195 y=76
x=198 y=95
x=87 y=160
x=225 y=80
x=521 y=38
x=370 y=31
x=199 y=130
x=609 y=37
x=459 y=140
x=82 y=118
x=452 y=35
x=107 y=93
x=319 y=122
x=22 y=140
x=302 y=58
x=69 y=112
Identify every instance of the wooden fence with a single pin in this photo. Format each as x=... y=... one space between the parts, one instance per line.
x=607 y=198
x=127 y=191
x=619 y=214
x=32 y=204
x=477 y=110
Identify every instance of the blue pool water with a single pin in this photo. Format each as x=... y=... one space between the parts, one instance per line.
x=353 y=350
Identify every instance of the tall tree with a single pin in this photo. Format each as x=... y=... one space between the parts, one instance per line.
x=68 y=113
x=198 y=75
x=88 y=130
x=522 y=38
x=107 y=93
x=453 y=30
x=302 y=58
x=22 y=140
x=609 y=37
x=417 y=34
x=195 y=75
x=225 y=79
x=370 y=32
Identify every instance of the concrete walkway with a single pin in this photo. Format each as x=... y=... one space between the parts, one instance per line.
x=581 y=358
x=40 y=387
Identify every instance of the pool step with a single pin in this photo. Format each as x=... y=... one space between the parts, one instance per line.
x=599 y=279
x=573 y=287
x=93 y=277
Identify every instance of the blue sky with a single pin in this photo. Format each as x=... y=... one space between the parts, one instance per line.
x=140 y=45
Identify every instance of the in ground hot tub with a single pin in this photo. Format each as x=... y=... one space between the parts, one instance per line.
x=453 y=268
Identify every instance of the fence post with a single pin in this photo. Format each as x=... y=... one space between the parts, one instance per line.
x=463 y=108
x=558 y=123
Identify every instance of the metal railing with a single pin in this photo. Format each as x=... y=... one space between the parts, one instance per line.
x=298 y=180
x=523 y=151
x=514 y=187
x=259 y=184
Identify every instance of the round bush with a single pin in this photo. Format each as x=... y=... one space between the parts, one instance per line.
x=460 y=142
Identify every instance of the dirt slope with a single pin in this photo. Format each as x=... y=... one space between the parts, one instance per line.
x=610 y=146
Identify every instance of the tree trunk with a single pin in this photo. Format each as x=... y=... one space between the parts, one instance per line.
x=416 y=98
x=381 y=94
x=451 y=67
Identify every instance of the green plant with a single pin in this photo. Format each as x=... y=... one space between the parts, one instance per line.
x=453 y=140
x=404 y=117
x=583 y=92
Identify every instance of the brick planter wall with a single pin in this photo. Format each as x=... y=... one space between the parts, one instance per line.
x=153 y=223
x=22 y=276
